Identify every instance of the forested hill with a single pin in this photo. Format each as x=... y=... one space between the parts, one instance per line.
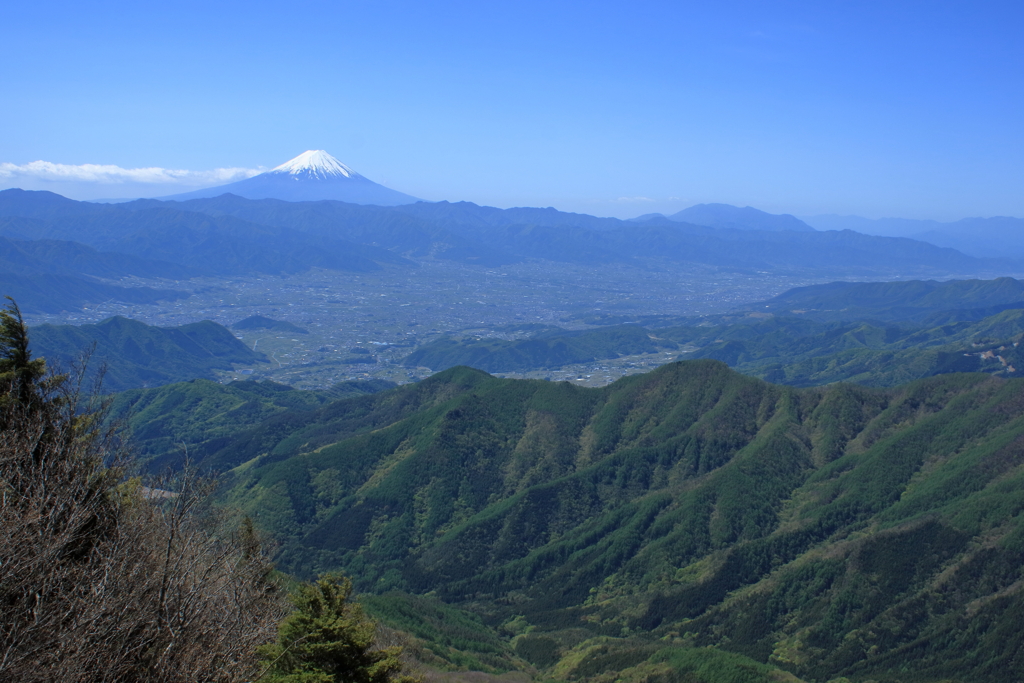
x=194 y=418
x=133 y=354
x=549 y=348
x=907 y=302
x=832 y=531
x=794 y=350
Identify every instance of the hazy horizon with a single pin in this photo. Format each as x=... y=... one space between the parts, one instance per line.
x=897 y=110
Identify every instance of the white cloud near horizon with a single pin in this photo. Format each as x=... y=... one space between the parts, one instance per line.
x=110 y=174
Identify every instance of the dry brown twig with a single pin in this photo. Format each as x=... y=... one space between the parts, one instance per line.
x=99 y=582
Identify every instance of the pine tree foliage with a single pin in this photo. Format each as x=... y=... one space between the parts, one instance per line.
x=19 y=374
x=328 y=639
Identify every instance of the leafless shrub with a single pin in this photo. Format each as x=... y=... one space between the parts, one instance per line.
x=99 y=582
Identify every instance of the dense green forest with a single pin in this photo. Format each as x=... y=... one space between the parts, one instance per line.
x=547 y=349
x=133 y=354
x=621 y=532
x=912 y=301
x=191 y=420
x=809 y=353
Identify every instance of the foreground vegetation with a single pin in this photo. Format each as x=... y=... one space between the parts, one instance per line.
x=103 y=579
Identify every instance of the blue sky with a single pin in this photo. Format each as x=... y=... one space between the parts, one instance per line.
x=870 y=108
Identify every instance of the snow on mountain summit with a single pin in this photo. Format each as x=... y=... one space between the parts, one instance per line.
x=316 y=163
x=312 y=176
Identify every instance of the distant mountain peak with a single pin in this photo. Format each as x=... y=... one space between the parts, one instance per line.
x=312 y=176
x=315 y=163
x=736 y=218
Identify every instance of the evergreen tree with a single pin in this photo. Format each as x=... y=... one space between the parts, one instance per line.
x=328 y=639
x=19 y=374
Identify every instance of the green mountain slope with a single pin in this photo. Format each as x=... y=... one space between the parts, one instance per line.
x=910 y=301
x=806 y=353
x=787 y=350
x=550 y=349
x=196 y=418
x=137 y=355
x=836 y=531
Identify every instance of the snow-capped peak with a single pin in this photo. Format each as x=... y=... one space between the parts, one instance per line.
x=315 y=162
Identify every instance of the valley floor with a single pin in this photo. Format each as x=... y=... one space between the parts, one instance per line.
x=395 y=310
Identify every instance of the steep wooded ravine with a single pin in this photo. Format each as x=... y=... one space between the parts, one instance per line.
x=833 y=531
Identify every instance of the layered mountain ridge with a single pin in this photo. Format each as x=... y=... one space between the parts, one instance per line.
x=230 y=235
x=992 y=236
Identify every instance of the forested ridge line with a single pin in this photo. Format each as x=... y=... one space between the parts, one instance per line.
x=691 y=504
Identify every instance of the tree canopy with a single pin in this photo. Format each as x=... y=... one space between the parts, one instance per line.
x=328 y=639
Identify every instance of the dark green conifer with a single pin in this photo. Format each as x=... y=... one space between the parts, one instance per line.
x=19 y=374
x=328 y=639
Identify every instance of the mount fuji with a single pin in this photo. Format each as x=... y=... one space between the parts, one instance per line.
x=312 y=176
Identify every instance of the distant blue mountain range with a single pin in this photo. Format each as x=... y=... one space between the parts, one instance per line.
x=733 y=217
x=998 y=237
